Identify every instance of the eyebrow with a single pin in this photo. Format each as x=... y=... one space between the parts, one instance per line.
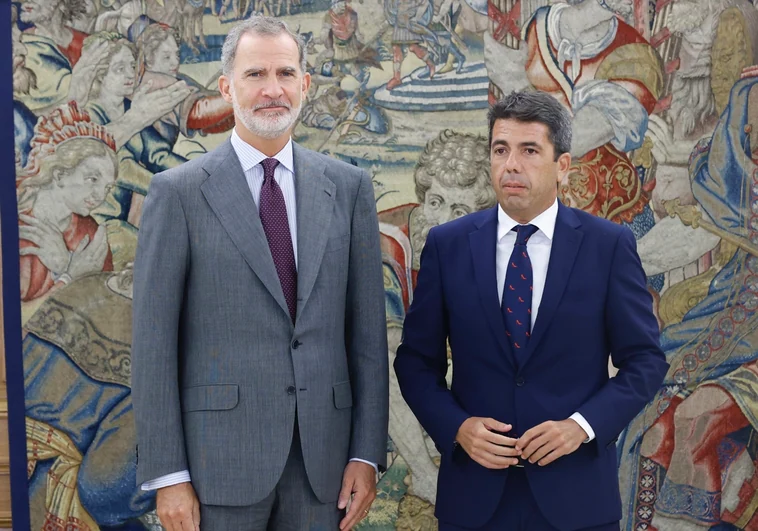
x=528 y=144
x=258 y=70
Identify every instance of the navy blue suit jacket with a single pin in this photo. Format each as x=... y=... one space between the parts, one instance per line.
x=595 y=303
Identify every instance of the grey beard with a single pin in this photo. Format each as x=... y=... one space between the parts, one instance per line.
x=692 y=104
x=24 y=80
x=269 y=128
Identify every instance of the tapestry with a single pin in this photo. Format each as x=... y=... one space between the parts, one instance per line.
x=664 y=98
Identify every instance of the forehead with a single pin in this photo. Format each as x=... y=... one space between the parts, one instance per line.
x=458 y=192
x=515 y=131
x=266 y=51
x=167 y=42
x=123 y=55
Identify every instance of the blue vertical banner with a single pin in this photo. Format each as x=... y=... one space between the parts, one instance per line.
x=11 y=304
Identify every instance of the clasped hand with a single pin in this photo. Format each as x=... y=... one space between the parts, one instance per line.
x=486 y=442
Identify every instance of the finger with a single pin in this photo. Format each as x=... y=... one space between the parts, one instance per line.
x=196 y=516
x=529 y=435
x=167 y=523
x=24 y=251
x=29 y=220
x=492 y=424
x=100 y=236
x=355 y=512
x=142 y=89
x=49 y=228
x=82 y=244
x=534 y=445
x=496 y=438
x=500 y=450
x=551 y=456
x=31 y=234
x=494 y=462
x=543 y=450
x=345 y=492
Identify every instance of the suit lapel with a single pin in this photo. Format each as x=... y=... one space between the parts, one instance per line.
x=566 y=242
x=315 y=203
x=229 y=197
x=483 y=244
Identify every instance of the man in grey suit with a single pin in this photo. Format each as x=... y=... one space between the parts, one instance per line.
x=259 y=358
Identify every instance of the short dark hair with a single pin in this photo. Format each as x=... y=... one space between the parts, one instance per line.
x=536 y=106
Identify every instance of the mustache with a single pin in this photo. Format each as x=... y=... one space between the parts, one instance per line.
x=270 y=104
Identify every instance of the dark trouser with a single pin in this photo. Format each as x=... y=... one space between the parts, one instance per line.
x=292 y=506
x=518 y=511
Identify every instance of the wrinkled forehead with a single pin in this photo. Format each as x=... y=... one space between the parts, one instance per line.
x=267 y=52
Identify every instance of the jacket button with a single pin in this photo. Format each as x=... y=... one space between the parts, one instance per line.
x=291 y=390
x=296 y=344
x=520 y=382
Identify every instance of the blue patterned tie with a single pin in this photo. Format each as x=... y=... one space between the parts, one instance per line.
x=273 y=212
x=517 y=291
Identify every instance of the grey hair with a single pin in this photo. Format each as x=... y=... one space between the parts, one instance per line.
x=536 y=106
x=258 y=25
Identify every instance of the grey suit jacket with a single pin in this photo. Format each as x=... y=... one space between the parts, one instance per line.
x=218 y=369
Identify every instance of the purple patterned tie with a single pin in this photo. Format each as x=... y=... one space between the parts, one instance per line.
x=517 y=291
x=273 y=213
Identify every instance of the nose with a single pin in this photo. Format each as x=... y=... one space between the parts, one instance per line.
x=512 y=163
x=272 y=88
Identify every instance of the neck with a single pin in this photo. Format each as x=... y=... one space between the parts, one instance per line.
x=523 y=217
x=51 y=209
x=267 y=146
x=112 y=103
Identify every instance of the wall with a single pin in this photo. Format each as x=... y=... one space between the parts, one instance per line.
x=666 y=144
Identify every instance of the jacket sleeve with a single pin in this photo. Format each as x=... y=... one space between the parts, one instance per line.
x=160 y=269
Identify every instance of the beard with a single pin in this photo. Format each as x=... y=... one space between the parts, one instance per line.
x=24 y=80
x=692 y=104
x=622 y=9
x=269 y=127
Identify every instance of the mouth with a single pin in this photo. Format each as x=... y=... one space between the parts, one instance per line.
x=513 y=187
x=273 y=109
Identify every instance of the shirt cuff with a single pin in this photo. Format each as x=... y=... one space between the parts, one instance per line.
x=367 y=462
x=579 y=419
x=167 y=480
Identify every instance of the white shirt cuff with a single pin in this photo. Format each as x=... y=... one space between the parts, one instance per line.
x=367 y=462
x=167 y=480
x=579 y=419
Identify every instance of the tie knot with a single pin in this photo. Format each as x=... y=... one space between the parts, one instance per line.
x=269 y=165
x=523 y=233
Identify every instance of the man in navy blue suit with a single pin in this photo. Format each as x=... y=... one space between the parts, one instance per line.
x=532 y=297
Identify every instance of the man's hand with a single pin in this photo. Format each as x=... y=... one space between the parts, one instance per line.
x=489 y=449
x=550 y=440
x=178 y=508
x=359 y=480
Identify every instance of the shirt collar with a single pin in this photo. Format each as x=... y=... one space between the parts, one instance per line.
x=250 y=157
x=545 y=222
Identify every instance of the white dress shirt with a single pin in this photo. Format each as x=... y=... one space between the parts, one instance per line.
x=284 y=174
x=538 y=247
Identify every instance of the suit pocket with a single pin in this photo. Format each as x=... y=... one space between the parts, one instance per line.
x=210 y=397
x=337 y=243
x=343 y=395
